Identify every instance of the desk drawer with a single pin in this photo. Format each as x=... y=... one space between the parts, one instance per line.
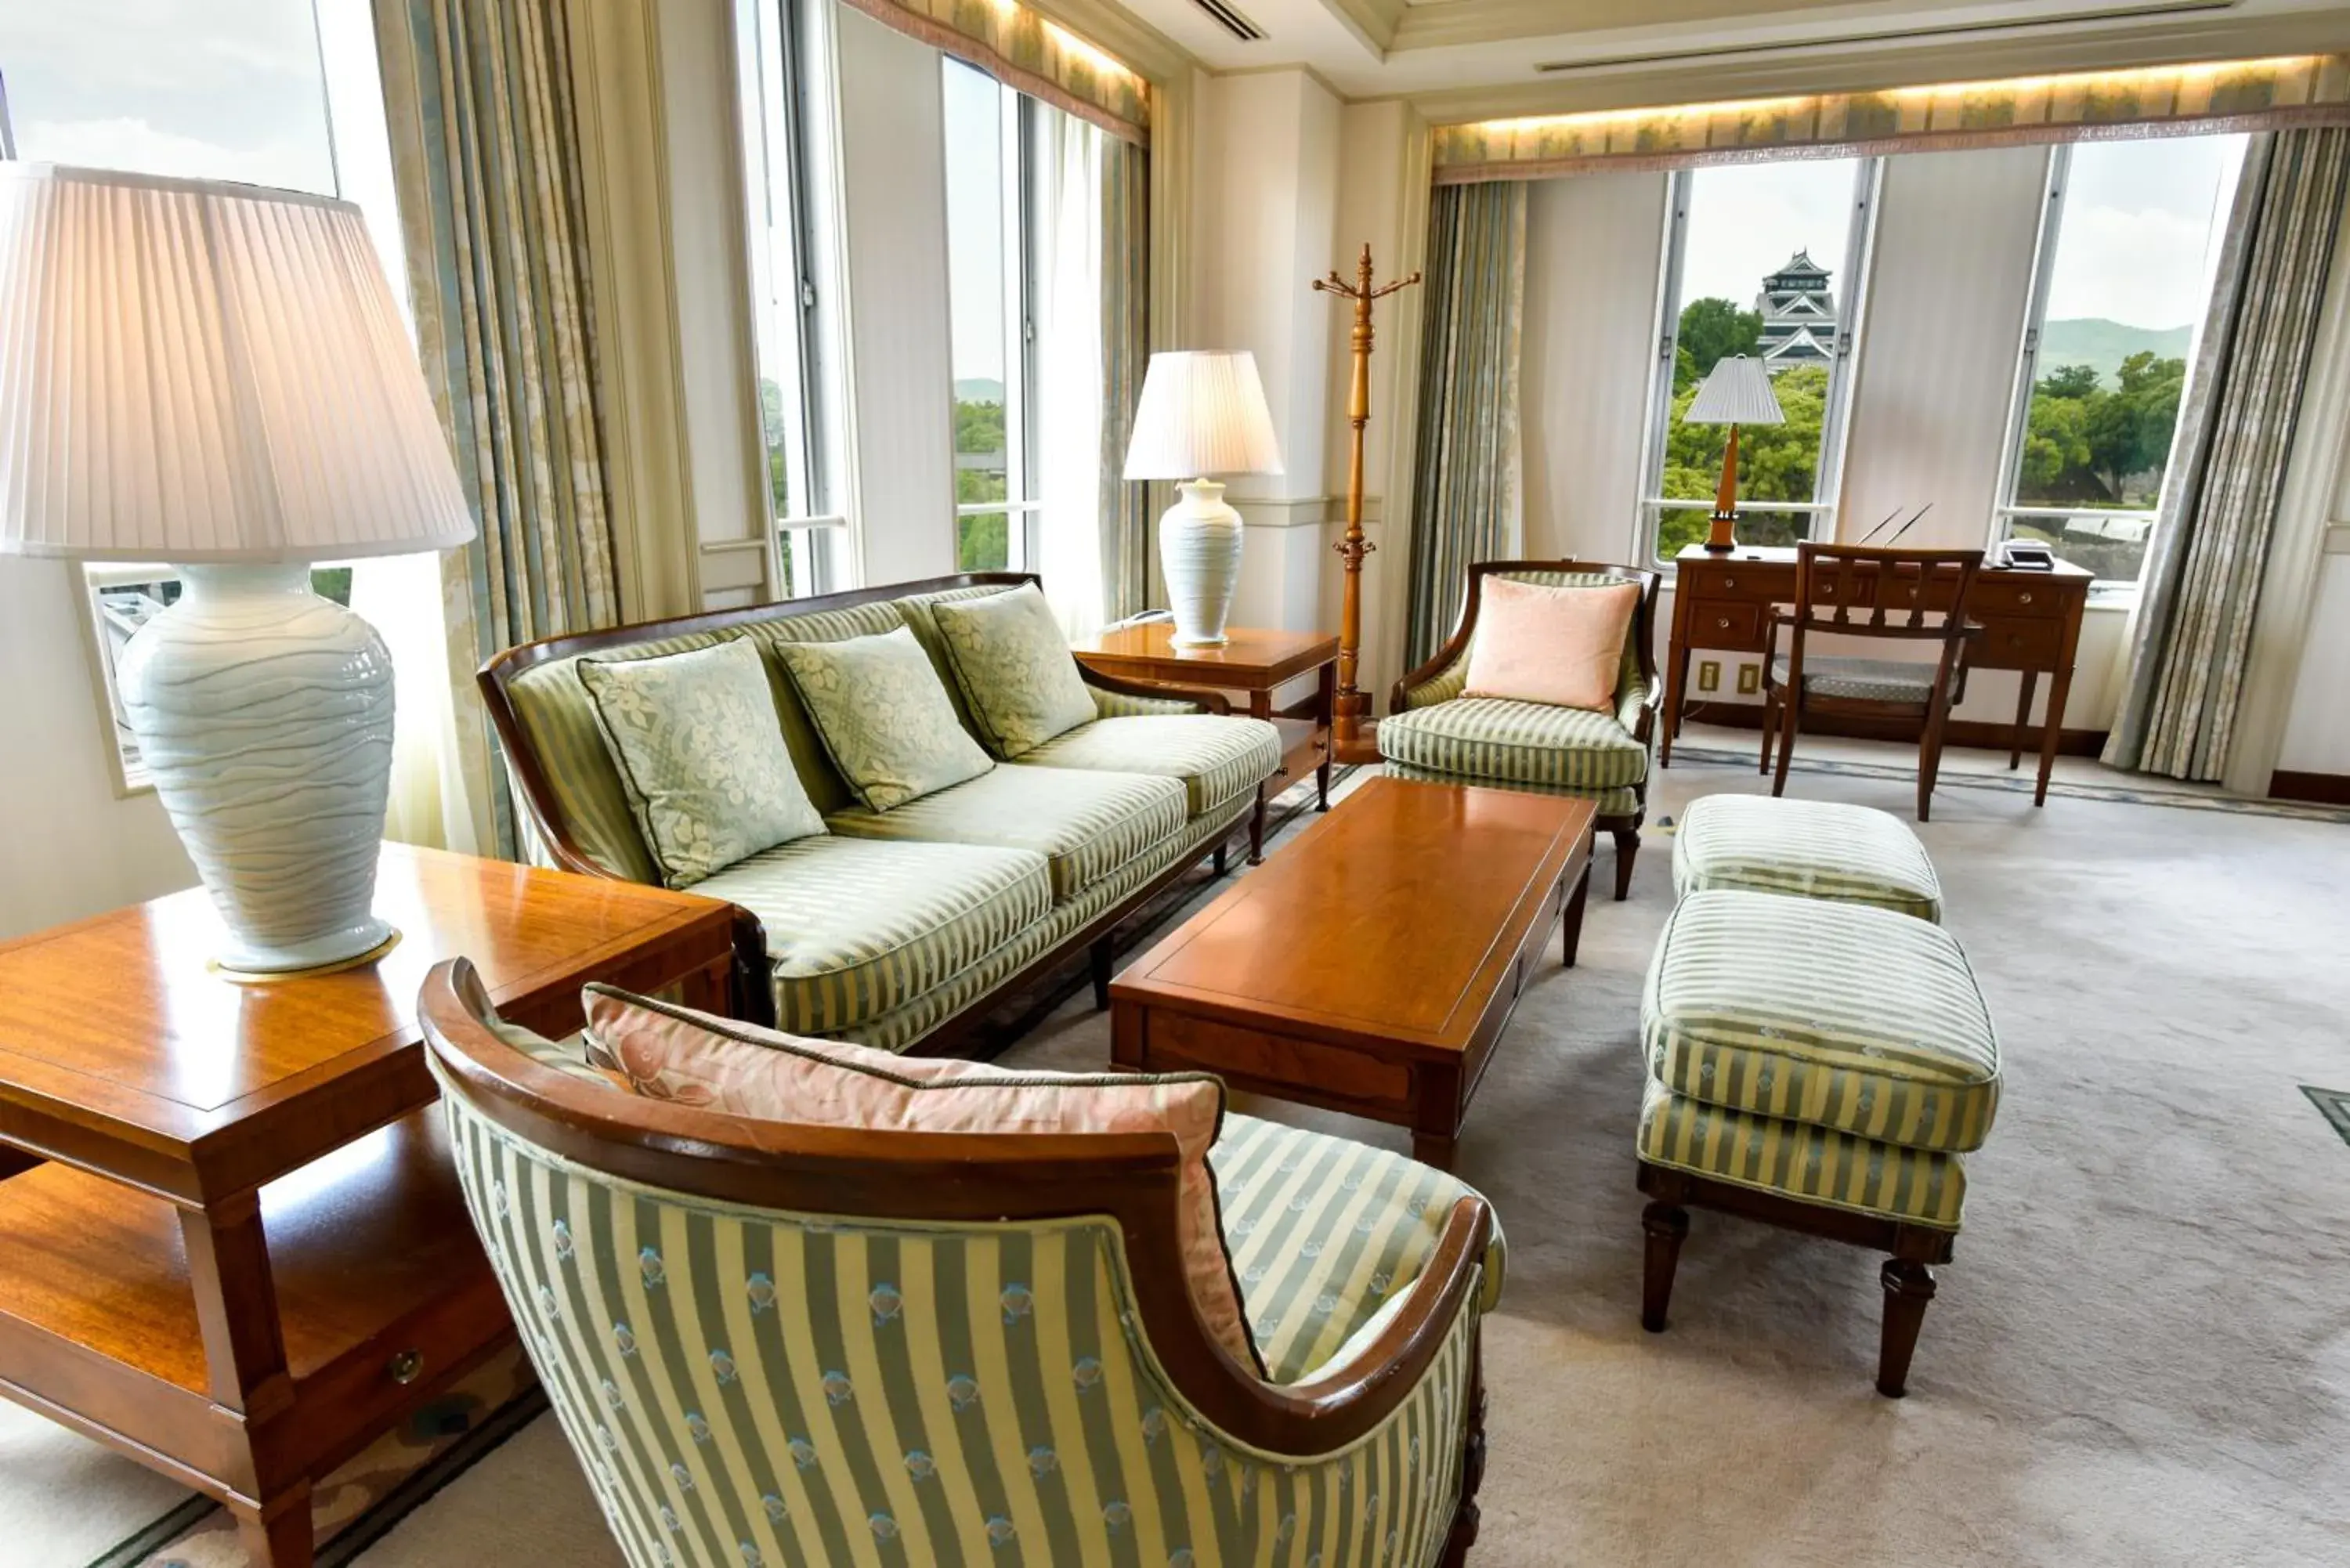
x=1725 y=624
x=2017 y=642
x=1993 y=597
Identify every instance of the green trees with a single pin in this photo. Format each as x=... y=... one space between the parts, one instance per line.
x=2089 y=445
x=982 y=540
x=1776 y=462
x=1711 y=330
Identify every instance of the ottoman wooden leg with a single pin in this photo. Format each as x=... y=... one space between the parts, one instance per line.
x=1627 y=846
x=1667 y=1224
x=1908 y=1287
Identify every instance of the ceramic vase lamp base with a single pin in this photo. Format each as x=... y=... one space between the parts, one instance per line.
x=263 y=713
x=1200 y=552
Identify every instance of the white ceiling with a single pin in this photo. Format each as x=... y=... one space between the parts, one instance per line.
x=1463 y=59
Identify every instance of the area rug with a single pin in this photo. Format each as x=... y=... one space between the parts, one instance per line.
x=2141 y=1354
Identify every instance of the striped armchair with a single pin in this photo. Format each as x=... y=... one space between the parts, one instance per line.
x=773 y=1343
x=1432 y=731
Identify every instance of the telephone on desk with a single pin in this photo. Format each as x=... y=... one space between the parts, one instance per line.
x=2027 y=556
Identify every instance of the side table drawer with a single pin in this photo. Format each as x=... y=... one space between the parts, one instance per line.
x=1727 y=624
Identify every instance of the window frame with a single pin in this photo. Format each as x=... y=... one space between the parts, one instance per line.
x=1649 y=509
x=2005 y=507
x=812 y=552
x=1020 y=128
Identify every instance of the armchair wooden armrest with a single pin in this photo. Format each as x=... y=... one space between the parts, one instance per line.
x=1213 y=702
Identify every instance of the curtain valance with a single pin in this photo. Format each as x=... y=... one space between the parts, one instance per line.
x=1024 y=50
x=2243 y=94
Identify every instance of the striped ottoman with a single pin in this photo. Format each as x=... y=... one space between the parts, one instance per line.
x=1814 y=848
x=1821 y=1066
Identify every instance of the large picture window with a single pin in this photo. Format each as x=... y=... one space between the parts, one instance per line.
x=2128 y=241
x=788 y=292
x=1768 y=260
x=991 y=305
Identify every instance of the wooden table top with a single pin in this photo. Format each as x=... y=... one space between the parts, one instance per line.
x=1253 y=656
x=115 y=1029
x=1390 y=922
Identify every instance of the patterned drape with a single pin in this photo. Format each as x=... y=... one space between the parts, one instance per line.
x=1465 y=494
x=486 y=155
x=2228 y=463
x=2243 y=94
x=1126 y=354
x=1022 y=49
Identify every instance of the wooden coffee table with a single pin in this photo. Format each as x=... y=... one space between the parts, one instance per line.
x=232 y=1241
x=1370 y=966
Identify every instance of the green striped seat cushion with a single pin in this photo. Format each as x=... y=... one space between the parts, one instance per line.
x=1515 y=743
x=1836 y=1015
x=1862 y=680
x=1085 y=824
x=1324 y=1233
x=858 y=927
x=756 y=1387
x=1795 y=1159
x=1812 y=848
x=1214 y=757
x=1622 y=800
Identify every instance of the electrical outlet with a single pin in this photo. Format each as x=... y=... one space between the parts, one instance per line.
x=1750 y=679
x=1708 y=675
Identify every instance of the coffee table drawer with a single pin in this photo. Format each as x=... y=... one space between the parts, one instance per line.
x=1257 y=1057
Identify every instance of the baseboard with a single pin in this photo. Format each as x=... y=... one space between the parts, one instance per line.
x=1849 y=726
x=2321 y=789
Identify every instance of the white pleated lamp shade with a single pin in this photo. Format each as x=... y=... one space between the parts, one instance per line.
x=194 y=372
x=1203 y=412
x=1737 y=391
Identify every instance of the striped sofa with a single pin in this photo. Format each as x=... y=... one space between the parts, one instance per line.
x=1819 y=1055
x=1434 y=732
x=771 y=1343
x=902 y=929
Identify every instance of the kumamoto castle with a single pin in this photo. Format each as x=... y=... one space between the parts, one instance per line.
x=1799 y=315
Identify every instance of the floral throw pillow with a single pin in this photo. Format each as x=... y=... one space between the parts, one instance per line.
x=888 y=724
x=701 y=755
x=1015 y=669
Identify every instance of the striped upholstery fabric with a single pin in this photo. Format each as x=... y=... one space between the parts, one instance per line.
x=1323 y=1232
x=1086 y=823
x=898 y=1030
x=1449 y=682
x=1213 y=757
x=1839 y=1015
x=856 y=927
x=751 y=1388
x=1126 y=705
x=1622 y=802
x=558 y=722
x=1798 y=1161
x=1811 y=848
x=1516 y=742
x=1862 y=680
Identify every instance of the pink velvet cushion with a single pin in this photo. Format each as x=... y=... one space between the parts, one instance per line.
x=1561 y=646
x=676 y=1053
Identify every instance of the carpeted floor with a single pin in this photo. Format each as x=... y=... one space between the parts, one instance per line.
x=2141 y=1355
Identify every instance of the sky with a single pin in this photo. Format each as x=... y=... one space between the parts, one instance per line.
x=2139 y=221
x=974 y=220
x=1746 y=219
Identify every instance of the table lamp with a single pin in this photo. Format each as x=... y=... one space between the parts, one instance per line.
x=1201 y=412
x=216 y=376
x=1736 y=391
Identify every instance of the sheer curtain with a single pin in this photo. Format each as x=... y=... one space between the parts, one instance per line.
x=1070 y=370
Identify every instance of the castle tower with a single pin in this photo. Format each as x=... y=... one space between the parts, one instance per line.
x=1799 y=315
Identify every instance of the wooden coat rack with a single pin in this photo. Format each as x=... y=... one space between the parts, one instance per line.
x=1352 y=738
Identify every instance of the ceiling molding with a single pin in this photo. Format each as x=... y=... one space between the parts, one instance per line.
x=1877 y=66
x=1107 y=26
x=1377 y=22
x=1464 y=22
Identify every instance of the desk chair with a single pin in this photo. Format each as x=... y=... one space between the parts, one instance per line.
x=1848 y=590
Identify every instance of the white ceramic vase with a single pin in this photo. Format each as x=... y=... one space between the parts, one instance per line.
x=264 y=714
x=1200 y=552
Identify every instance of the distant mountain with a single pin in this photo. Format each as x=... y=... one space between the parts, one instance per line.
x=2103 y=345
x=985 y=391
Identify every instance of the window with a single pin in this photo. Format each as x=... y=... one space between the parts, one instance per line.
x=791 y=349
x=1768 y=260
x=2128 y=242
x=988 y=130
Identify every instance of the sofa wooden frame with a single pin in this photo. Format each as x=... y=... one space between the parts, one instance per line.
x=959 y=1178
x=1626 y=830
x=753 y=990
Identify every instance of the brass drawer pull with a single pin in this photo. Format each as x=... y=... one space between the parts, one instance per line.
x=2024 y=598
x=405 y=1367
x=1721 y=623
x=1730 y=582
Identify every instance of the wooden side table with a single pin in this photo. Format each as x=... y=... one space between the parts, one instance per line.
x=1257 y=662
x=233 y=1246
